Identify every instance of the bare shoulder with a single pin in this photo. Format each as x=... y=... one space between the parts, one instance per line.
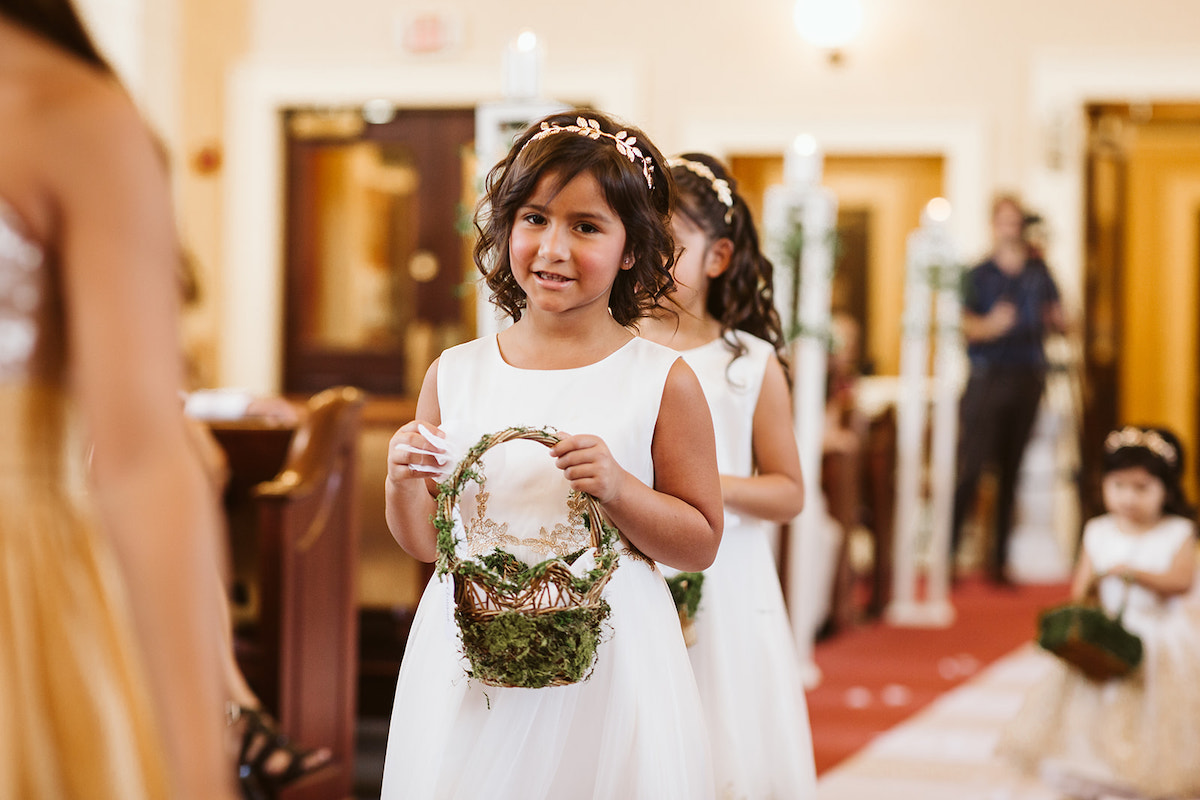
x=61 y=120
x=90 y=126
x=428 y=406
x=682 y=383
x=683 y=401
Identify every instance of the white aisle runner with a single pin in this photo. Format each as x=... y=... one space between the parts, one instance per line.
x=945 y=751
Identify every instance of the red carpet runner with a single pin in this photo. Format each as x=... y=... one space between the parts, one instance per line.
x=875 y=676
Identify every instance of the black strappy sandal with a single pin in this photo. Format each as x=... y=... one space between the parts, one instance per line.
x=261 y=739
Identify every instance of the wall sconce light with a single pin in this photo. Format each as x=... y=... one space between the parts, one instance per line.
x=829 y=24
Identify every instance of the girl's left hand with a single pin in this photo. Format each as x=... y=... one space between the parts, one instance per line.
x=589 y=466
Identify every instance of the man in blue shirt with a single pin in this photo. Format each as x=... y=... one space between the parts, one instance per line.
x=1010 y=303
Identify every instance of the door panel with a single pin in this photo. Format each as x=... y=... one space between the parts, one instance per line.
x=1143 y=278
x=377 y=252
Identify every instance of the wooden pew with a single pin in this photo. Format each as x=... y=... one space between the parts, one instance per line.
x=299 y=651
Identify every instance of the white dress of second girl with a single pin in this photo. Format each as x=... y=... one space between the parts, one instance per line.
x=634 y=729
x=1128 y=737
x=744 y=655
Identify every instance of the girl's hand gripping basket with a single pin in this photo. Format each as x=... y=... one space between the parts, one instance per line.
x=527 y=626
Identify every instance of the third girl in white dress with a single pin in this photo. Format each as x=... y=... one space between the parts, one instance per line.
x=722 y=319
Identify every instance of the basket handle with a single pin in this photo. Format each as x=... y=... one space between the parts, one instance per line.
x=464 y=471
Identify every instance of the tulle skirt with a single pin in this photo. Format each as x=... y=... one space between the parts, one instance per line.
x=746 y=667
x=1137 y=737
x=633 y=730
x=76 y=721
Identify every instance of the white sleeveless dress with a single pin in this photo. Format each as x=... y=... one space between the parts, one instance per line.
x=634 y=729
x=744 y=655
x=1136 y=736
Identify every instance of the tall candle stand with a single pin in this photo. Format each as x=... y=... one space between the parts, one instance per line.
x=925 y=478
x=801 y=208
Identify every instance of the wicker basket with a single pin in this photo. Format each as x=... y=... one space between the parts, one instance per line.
x=1084 y=636
x=527 y=626
x=685 y=591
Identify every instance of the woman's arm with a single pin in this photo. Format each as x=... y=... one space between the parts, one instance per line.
x=410 y=494
x=119 y=259
x=992 y=325
x=776 y=491
x=679 y=520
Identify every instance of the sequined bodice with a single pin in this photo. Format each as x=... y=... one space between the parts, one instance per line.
x=32 y=402
x=22 y=294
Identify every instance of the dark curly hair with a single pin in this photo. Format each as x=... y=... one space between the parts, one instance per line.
x=644 y=211
x=1168 y=471
x=60 y=22
x=741 y=297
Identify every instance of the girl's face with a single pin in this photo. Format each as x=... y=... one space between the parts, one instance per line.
x=566 y=249
x=1134 y=495
x=691 y=279
x=699 y=261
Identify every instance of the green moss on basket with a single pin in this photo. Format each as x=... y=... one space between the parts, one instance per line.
x=529 y=650
x=523 y=646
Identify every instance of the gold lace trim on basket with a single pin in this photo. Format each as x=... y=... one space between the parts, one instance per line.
x=485 y=534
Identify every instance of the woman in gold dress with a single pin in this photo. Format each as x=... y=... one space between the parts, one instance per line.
x=109 y=637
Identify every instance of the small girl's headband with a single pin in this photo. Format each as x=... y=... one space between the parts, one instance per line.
x=1130 y=436
x=720 y=186
x=626 y=145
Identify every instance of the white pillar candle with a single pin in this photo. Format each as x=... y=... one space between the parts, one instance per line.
x=803 y=163
x=523 y=68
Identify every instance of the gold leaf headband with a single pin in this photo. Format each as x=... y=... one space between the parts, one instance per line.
x=626 y=145
x=720 y=186
x=1130 y=436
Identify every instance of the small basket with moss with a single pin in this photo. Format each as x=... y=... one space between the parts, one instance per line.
x=685 y=591
x=522 y=625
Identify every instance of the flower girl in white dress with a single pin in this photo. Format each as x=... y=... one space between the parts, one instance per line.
x=575 y=246
x=722 y=318
x=1137 y=736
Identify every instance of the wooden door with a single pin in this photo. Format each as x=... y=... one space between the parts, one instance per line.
x=377 y=246
x=1142 y=283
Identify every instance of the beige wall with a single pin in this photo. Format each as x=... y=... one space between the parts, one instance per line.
x=1001 y=79
x=745 y=59
x=997 y=90
x=216 y=34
